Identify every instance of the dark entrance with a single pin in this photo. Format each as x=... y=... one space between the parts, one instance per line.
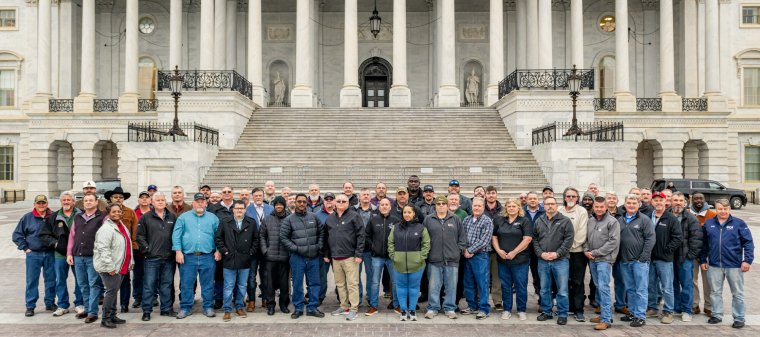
x=375 y=80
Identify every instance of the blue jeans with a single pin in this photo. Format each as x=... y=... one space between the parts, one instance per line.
x=441 y=276
x=683 y=286
x=256 y=266
x=476 y=282
x=89 y=283
x=158 y=274
x=36 y=262
x=555 y=273
x=309 y=267
x=600 y=272
x=373 y=293
x=735 y=279
x=235 y=280
x=514 y=276
x=661 y=273
x=324 y=267
x=635 y=276
x=196 y=266
x=617 y=273
x=407 y=286
x=367 y=264
x=61 y=285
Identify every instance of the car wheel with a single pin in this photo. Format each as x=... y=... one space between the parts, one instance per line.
x=736 y=203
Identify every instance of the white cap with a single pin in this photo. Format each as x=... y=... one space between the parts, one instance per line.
x=89 y=184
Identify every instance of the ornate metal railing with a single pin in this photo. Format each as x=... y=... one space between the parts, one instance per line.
x=278 y=105
x=61 y=105
x=694 y=104
x=202 y=80
x=471 y=104
x=159 y=132
x=144 y=105
x=591 y=131
x=105 y=105
x=605 y=104
x=554 y=79
x=648 y=104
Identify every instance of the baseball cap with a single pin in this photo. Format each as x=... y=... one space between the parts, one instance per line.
x=152 y=187
x=658 y=195
x=145 y=193
x=402 y=189
x=198 y=196
x=428 y=188
x=548 y=187
x=89 y=183
x=329 y=195
x=40 y=198
x=440 y=198
x=204 y=186
x=454 y=182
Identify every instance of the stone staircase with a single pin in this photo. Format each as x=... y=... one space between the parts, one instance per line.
x=295 y=147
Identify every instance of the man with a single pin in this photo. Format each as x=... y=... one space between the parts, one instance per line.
x=376 y=238
x=193 y=242
x=523 y=199
x=366 y=212
x=668 y=196
x=39 y=257
x=601 y=248
x=494 y=208
x=381 y=192
x=285 y=192
x=447 y=242
x=206 y=190
x=668 y=238
x=237 y=241
x=303 y=235
x=79 y=253
x=129 y=219
x=55 y=235
x=276 y=257
x=426 y=205
x=593 y=188
x=683 y=260
x=143 y=207
x=588 y=203
x=637 y=238
x=548 y=191
x=479 y=192
x=455 y=207
x=413 y=188
x=269 y=192
x=154 y=235
x=348 y=190
x=727 y=253
x=257 y=210
x=553 y=237
x=328 y=207
x=344 y=234
x=178 y=205
x=245 y=196
x=314 y=201
x=224 y=207
x=214 y=198
x=478 y=229
x=89 y=187
x=533 y=211
x=646 y=199
x=402 y=199
x=464 y=202
x=703 y=213
x=291 y=203
x=620 y=305
x=453 y=204
x=579 y=219
x=152 y=189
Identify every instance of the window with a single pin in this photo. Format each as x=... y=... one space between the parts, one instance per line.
x=6 y=163
x=751 y=86
x=7 y=18
x=700 y=185
x=607 y=23
x=752 y=163
x=7 y=87
x=681 y=184
x=751 y=15
x=715 y=186
x=147 y=25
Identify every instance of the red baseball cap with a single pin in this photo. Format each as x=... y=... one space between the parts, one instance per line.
x=658 y=195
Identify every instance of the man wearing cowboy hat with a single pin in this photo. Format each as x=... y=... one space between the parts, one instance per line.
x=129 y=218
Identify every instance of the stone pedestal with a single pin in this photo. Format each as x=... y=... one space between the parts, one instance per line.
x=492 y=96
x=448 y=96
x=716 y=103
x=400 y=97
x=84 y=103
x=301 y=97
x=128 y=103
x=40 y=103
x=350 y=96
x=625 y=102
x=259 y=96
x=671 y=103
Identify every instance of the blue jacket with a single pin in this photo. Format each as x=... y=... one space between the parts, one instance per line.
x=727 y=245
x=252 y=213
x=27 y=232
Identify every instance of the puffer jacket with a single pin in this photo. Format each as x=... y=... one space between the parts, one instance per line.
x=302 y=234
x=408 y=247
x=269 y=238
x=377 y=231
x=691 y=241
x=110 y=248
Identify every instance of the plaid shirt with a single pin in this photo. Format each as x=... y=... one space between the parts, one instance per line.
x=479 y=233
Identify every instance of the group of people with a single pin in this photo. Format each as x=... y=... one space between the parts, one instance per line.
x=437 y=249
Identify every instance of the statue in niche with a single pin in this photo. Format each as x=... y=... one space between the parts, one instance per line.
x=473 y=87
x=279 y=89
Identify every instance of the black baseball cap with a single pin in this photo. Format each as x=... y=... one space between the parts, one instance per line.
x=428 y=188
x=329 y=195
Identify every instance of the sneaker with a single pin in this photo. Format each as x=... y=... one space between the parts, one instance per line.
x=601 y=326
x=351 y=315
x=562 y=320
x=60 y=312
x=579 y=317
x=498 y=307
x=714 y=320
x=296 y=314
x=340 y=311
x=403 y=316
x=467 y=311
x=506 y=315
x=51 y=307
x=316 y=313
x=451 y=315
x=371 y=311
x=145 y=317
x=638 y=322
x=543 y=317
x=685 y=317
x=522 y=316
x=652 y=313
x=627 y=318
x=170 y=313
x=413 y=316
x=430 y=314
x=482 y=315
x=390 y=306
x=79 y=309
x=666 y=318
x=136 y=304
x=209 y=313
x=737 y=325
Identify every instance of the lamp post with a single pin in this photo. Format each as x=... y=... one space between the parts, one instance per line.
x=175 y=81
x=574 y=84
x=374 y=22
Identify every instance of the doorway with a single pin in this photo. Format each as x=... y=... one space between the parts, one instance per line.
x=375 y=79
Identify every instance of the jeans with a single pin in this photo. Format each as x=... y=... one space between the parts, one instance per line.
x=61 y=285
x=600 y=272
x=309 y=267
x=441 y=276
x=635 y=276
x=89 y=283
x=324 y=267
x=617 y=274
x=373 y=293
x=138 y=275
x=408 y=289
x=158 y=275
x=111 y=284
x=735 y=279
x=257 y=265
x=196 y=266
x=683 y=287
x=476 y=281
x=36 y=261
x=366 y=265
x=514 y=276
x=235 y=280
x=661 y=273
x=554 y=273
x=576 y=282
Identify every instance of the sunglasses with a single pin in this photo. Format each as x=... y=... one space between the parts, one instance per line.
x=441 y=203
x=571 y=196
x=226 y=192
x=341 y=201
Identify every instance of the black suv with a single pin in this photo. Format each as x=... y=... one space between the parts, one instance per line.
x=712 y=190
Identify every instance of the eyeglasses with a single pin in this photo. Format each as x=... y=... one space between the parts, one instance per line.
x=571 y=196
x=226 y=192
x=441 y=203
x=239 y=209
x=341 y=201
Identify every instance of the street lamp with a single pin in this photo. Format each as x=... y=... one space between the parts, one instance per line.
x=175 y=82
x=574 y=84
x=374 y=22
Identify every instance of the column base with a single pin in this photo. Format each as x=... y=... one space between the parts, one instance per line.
x=624 y=101
x=40 y=103
x=716 y=102
x=671 y=102
x=301 y=97
x=448 y=96
x=400 y=97
x=350 y=96
x=259 y=96
x=84 y=103
x=128 y=103
x=492 y=96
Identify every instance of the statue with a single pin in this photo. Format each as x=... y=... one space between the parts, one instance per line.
x=473 y=87
x=279 y=89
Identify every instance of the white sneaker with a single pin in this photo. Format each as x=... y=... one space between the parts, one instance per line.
x=522 y=316
x=79 y=309
x=506 y=315
x=686 y=317
x=60 y=312
x=430 y=314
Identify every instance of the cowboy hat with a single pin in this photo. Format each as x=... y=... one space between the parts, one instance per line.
x=117 y=190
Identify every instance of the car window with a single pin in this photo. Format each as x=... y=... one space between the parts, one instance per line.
x=700 y=184
x=681 y=184
x=715 y=186
x=658 y=185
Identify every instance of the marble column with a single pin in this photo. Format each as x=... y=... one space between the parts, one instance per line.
x=175 y=34
x=531 y=32
x=670 y=100
x=231 y=35
x=255 y=60
x=625 y=101
x=207 y=35
x=44 y=63
x=220 y=32
x=448 y=92
x=545 y=49
x=302 y=94
x=128 y=99
x=495 y=50
x=400 y=95
x=576 y=24
x=520 y=27
x=715 y=99
x=350 y=94
x=84 y=102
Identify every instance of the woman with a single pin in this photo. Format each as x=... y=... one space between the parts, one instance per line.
x=408 y=247
x=112 y=260
x=512 y=233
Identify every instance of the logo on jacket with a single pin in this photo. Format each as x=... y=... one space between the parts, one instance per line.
x=416 y=234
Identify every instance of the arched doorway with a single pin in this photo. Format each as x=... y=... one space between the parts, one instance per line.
x=106 y=160
x=607 y=77
x=647 y=154
x=147 y=78
x=695 y=156
x=375 y=78
x=61 y=167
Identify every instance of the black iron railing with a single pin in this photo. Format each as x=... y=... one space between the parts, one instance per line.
x=144 y=105
x=649 y=104
x=591 y=132
x=203 y=80
x=605 y=104
x=61 y=105
x=694 y=104
x=159 y=132
x=105 y=105
x=549 y=79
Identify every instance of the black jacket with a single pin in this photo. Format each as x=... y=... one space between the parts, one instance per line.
x=636 y=238
x=344 y=234
x=269 y=238
x=154 y=235
x=377 y=231
x=668 y=236
x=691 y=241
x=496 y=211
x=55 y=232
x=447 y=239
x=237 y=246
x=426 y=208
x=398 y=212
x=220 y=211
x=555 y=235
x=302 y=234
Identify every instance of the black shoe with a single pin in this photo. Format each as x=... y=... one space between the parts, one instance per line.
x=146 y=317
x=296 y=314
x=423 y=299
x=390 y=306
x=51 y=307
x=106 y=323
x=285 y=310
x=155 y=302
x=91 y=319
x=117 y=320
x=124 y=310
x=316 y=313
x=714 y=320
x=169 y=313
x=562 y=320
x=638 y=322
x=544 y=317
x=136 y=304
x=737 y=325
x=29 y=312
x=218 y=305
x=593 y=303
x=627 y=318
x=270 y=310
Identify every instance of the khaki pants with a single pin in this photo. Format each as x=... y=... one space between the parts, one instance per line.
x=347 y=280
x=495 y=281
x=705 y=286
